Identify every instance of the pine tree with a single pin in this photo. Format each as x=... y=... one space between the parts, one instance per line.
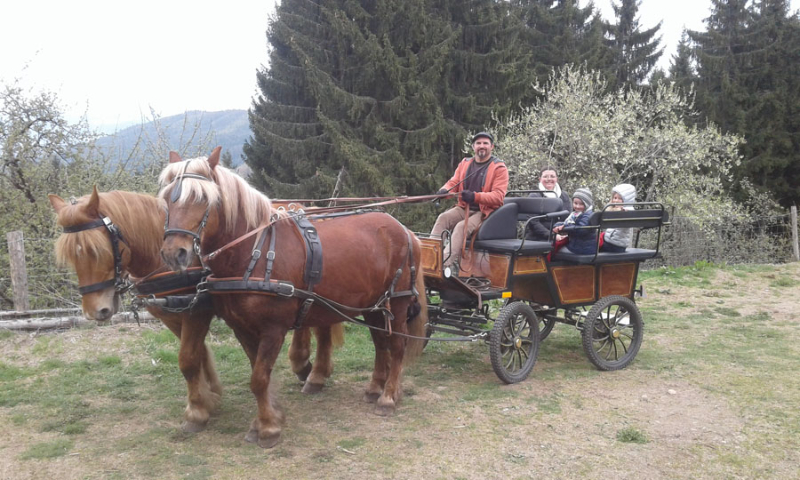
x=635 y=51
x=349 y=103
x=681 y=69
x=722 y=53
x=771 y=116
x=487 y=76
x=561 y=32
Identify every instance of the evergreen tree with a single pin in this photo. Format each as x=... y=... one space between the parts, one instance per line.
x=487 y=75
x=772 y=151
x=722 y=53
x=561 y=32
x=349 y=103
x=748 y=64
x=634 y=51
x=377 y=97
x=681 y=69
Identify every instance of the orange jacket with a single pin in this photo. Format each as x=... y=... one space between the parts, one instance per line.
x=495 y=186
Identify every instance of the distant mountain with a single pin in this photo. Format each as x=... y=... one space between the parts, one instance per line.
x=229 y=129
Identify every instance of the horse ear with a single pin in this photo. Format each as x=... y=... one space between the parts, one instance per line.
x=93 y=207
x=174 y=157
x=57 y=202
x=213 y=159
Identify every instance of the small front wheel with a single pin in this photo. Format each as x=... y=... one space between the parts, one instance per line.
x=612 y=332
x=514 y=342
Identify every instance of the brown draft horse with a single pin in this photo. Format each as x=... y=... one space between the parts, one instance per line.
x=140 y=220
x=362 y=255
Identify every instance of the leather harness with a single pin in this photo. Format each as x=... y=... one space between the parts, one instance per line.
x=312 y=273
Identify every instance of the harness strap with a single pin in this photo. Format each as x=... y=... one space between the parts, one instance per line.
x=255 y=255
x=302 y=313
x=312 y=274
x=115 y=236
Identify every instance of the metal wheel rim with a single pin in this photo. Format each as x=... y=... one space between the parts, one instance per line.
x=613 y=333
x=516 y=343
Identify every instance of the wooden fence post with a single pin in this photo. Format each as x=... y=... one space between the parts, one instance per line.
x=19 y=274
x=794 y=234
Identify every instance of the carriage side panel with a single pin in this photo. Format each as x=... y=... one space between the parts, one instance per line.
x=575 y=284
x=617 y=279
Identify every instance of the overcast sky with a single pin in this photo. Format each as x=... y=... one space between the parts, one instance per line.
x=115 y=60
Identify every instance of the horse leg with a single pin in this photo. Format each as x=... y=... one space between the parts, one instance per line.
x=197 y=366
x=266 y=428
x=380 y=370
x=323 y=364
x=300 y=352
x=387 y=403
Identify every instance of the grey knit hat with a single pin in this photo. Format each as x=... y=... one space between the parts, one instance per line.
x=626 y=191
x=585 y=195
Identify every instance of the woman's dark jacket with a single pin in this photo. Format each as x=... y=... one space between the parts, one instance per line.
x=540 y=230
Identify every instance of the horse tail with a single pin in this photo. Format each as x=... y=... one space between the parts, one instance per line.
x=418 y=324
x=337 y=334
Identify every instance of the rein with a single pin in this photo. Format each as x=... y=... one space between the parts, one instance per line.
x=120 y=285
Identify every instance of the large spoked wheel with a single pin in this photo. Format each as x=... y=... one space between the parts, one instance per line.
x=612 y=332
x=545 y=324
x=514 y=342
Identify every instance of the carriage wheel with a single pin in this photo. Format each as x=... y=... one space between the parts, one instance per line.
x=514 y=342
x=612 y=332
x=545 y=324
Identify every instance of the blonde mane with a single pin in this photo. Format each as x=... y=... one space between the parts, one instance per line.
x=254 y=206
x=137 y=216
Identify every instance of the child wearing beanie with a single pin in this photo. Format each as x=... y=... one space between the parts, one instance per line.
x=581 y=240
x=616 y=240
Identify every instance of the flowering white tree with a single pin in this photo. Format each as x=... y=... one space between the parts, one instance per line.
x=597 y=139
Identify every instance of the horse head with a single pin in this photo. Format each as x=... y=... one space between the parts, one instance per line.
x=191 y=196
x=89 y=246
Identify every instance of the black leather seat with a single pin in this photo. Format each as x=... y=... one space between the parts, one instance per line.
x=498 y=233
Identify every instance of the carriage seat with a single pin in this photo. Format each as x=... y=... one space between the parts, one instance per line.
x=498 y=233
x=640 y=219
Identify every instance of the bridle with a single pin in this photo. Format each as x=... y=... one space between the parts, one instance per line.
x=176 y=194
x=118 y=282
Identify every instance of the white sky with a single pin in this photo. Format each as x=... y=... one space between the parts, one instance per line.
x=115 y=60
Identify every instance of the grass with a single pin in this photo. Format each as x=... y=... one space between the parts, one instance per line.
x=125 y=403
x=631 y=435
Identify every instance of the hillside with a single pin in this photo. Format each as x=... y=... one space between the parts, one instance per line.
x=229 y=129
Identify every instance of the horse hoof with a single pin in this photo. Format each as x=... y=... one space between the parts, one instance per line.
x=192 y=427
x=251 y=436
x=371 y=397
x=270 y=441
x=302 y=375
x=312 y=388
x=384 y=410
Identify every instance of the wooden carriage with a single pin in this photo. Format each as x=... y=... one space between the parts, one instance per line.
x=595 y=292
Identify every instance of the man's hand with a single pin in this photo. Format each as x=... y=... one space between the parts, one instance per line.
x=442 y=191
x=468 y=196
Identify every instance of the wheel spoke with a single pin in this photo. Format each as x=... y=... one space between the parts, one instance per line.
x=510 y=361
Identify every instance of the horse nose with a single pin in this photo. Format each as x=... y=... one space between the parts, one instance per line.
x=182 y=256
x=103 y=314
x=179 y=260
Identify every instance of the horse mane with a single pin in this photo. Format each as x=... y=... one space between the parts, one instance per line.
x=254 y=206
x=136 y=215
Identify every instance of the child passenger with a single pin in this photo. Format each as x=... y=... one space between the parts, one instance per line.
x=616 y=240
x=581 y=240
